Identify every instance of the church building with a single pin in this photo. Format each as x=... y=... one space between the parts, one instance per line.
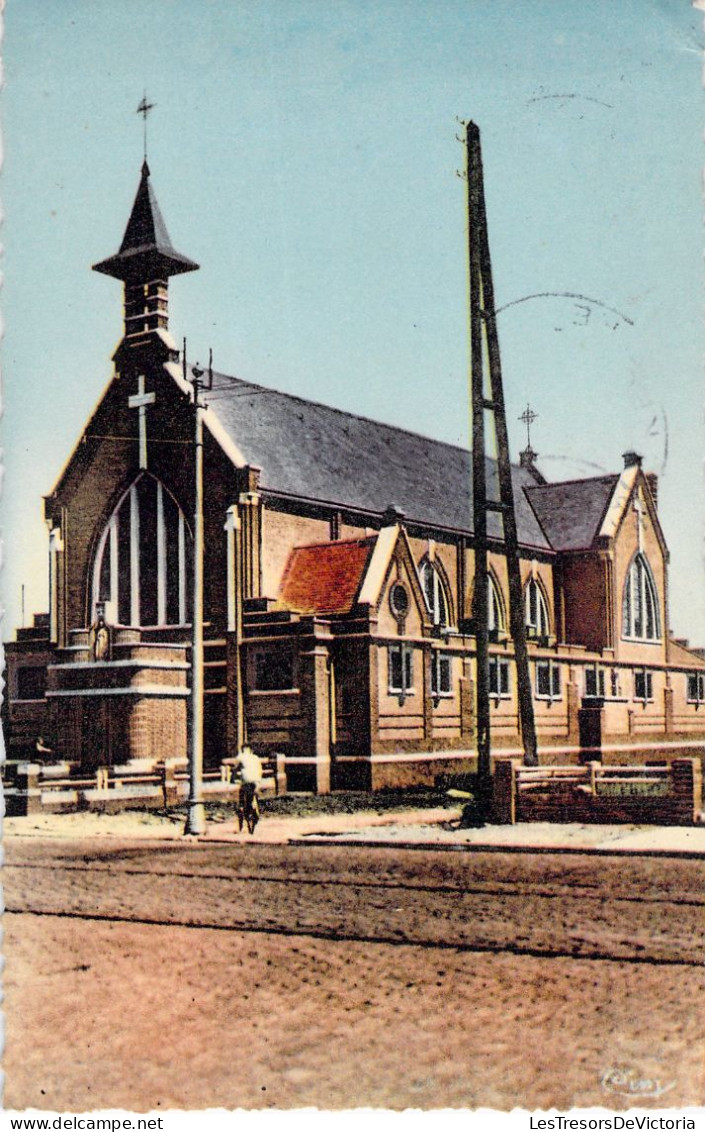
x=338 y=582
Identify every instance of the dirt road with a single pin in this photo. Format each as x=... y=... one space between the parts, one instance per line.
x=138 y=975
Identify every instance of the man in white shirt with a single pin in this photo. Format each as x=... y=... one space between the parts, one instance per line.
x=249 y=769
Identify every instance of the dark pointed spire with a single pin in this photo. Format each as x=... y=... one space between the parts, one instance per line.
x=144 y=262
x=146 y=251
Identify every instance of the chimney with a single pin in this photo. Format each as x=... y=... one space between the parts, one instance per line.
x=392 y=516
x=630 y=459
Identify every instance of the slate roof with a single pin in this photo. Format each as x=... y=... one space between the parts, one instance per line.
x=311 y=451
x=571 y=513
x=146 y=242
x=325 y=577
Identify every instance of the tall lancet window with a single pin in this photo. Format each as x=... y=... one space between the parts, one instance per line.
x=435 y=593
x=640 y=611
x=143 y=567
x=495 y=609
x=535 y=610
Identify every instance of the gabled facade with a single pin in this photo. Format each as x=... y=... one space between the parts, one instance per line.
x=338 y=585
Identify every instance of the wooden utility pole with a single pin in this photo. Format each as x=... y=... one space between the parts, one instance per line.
x=484 y=347
x=196 y=818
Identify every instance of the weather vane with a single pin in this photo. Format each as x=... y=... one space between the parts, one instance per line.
x=144 y=109
x=528 y=417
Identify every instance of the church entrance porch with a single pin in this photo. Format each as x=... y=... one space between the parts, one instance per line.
x=115 y=695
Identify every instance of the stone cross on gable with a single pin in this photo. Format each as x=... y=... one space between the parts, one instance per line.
x=640 y=510
x=140 y=400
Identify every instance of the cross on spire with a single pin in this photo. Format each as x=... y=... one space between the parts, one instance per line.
x=140 y=400
x=528 y=417
x=144 y=109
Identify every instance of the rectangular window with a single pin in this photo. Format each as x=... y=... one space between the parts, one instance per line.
x=441 y=674
x=595 y=682
x=31 y=682
x=499 y=676
x=548 y=680
x=696 y=687
x=401 y=669
x=614 y=683
x=643 y=685
x=274 y=670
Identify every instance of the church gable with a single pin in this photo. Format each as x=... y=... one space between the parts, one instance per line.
x=392 y=587
x=635 y=519
x=640 y=564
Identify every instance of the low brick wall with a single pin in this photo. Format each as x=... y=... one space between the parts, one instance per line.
x=599 y=794
x=34 y=789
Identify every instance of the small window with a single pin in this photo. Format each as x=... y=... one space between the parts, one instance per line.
x=643 y=685
x=274 y=670
x=595 y=682
x=31 y=682
x=399 y=600
x=548 y=680
x=499 y=676
x=401 y=670
x=615 y=690
x=441 y=674
x=696 y=687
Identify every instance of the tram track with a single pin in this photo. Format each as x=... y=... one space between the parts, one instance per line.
x=389 y=941
x=506 y=890
x=638 y=913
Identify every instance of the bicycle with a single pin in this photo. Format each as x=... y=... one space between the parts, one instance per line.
x=248 y=807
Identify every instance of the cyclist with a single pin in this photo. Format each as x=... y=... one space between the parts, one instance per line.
x=248 y=767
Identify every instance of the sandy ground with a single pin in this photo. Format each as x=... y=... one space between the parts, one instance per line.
x=144 y=1017
x=425 y=826
x=125 y=1013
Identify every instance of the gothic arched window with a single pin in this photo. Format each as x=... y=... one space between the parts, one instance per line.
x=434 y=592
x=495 y=609
x=142 y=569
x=640 y=610
x=535 y=610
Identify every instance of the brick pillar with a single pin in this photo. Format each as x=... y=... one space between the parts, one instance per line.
x=235 y=695
x=426 y=691
x=572 y=708
x=687 y=788
x=170 y=791
x=314 y=683
x=251 y=544
x=668 y=710
x=504 y=791
x=56 y=549
x=373 y=684
x=467 y=701
x=27 y=781
x=591 y=725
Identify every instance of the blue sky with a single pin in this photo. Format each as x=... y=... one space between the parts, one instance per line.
x=304 y=153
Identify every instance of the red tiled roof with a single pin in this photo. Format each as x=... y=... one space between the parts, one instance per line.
x=326 y=577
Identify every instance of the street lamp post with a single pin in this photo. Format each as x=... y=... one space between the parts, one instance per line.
x=196 y=818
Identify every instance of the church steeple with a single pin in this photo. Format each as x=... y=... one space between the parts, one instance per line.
x=144 y=262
